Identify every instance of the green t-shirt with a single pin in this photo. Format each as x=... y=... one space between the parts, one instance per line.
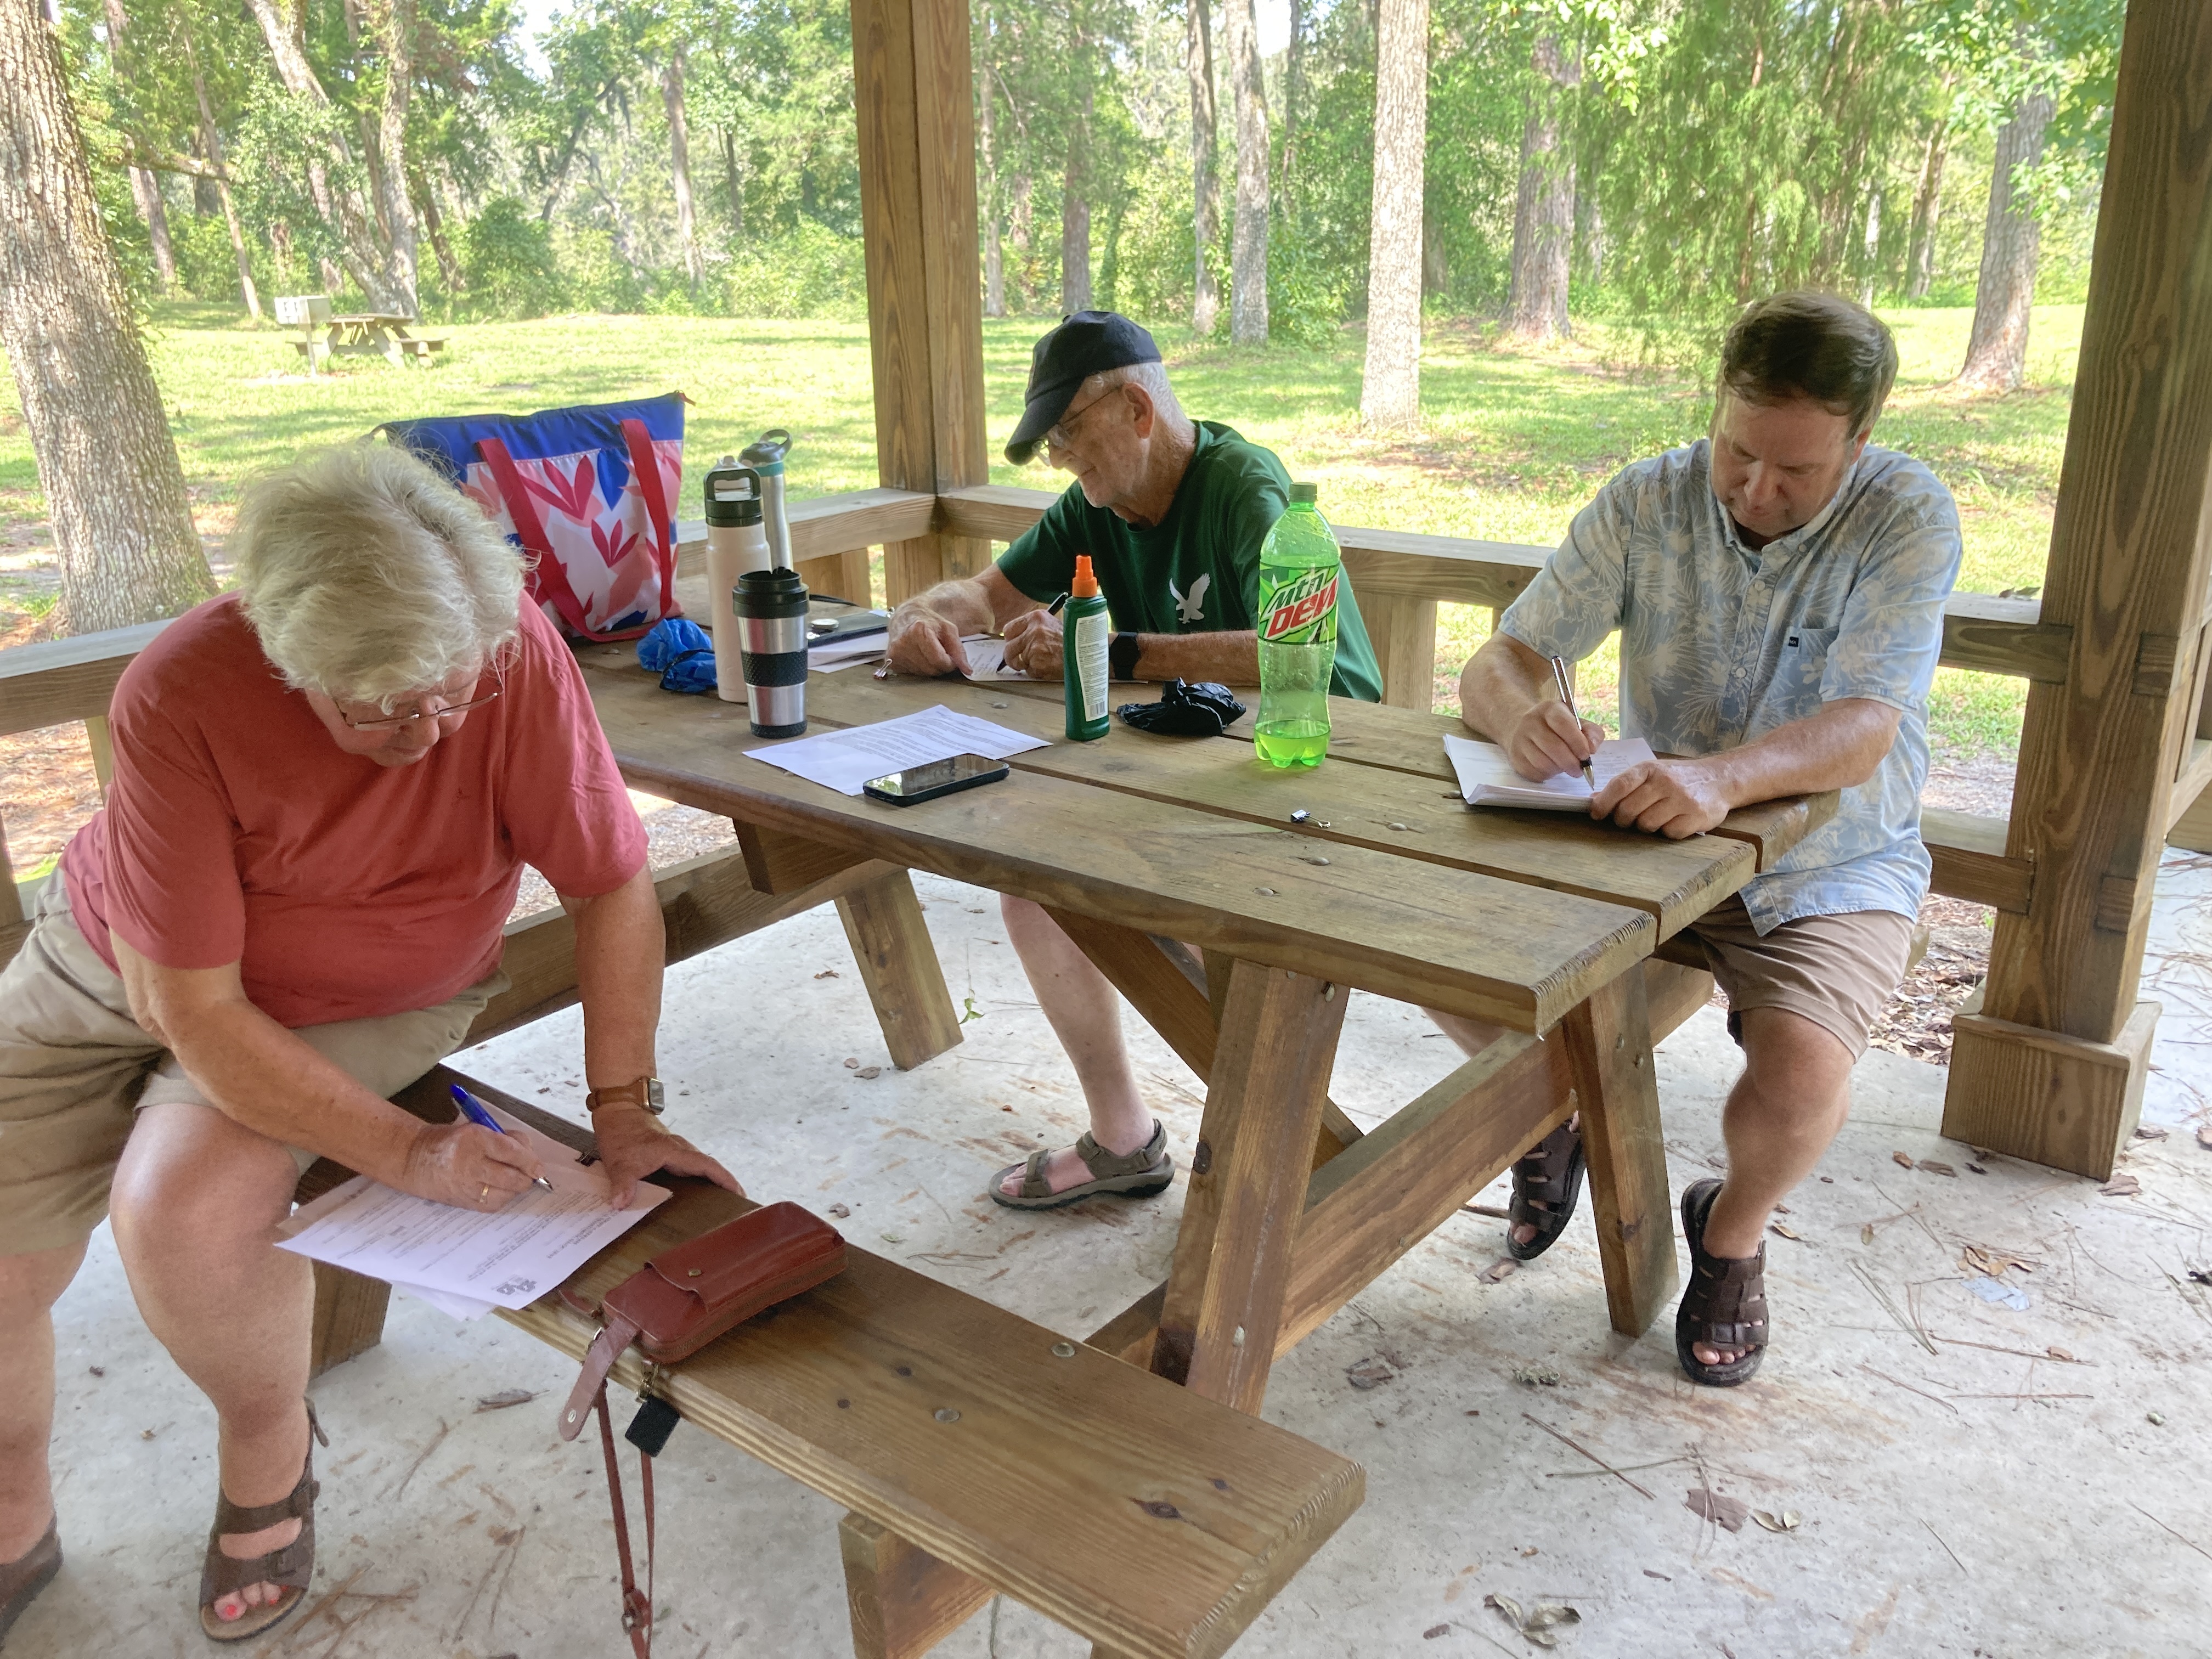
x=1197 y=571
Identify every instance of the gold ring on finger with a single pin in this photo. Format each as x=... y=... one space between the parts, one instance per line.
x=483 y=1193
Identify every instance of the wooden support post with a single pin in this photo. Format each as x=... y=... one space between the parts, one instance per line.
x=903 y=1599
x=1608 y=1042
x=2101 y=750
x=1404 y=633
x=103 y=751
x=777 y=861
x=898 y=964
x=913 y=93
x=349 y=1316
x=1247 y=1182
x=838 y=575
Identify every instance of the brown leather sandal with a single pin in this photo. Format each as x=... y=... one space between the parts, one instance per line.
x=1547 y=1183
x=1140 y=1174
x=1724 y=1304
x=291 y=1567
x=22 y=1578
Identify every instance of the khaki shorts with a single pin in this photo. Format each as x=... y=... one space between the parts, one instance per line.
x=1836 y=971
x=74 y=1066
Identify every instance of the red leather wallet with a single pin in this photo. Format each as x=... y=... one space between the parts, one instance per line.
x=672 y=1307
x=684 y=1299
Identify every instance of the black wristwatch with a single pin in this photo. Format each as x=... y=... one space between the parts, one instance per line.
x=1121 y=653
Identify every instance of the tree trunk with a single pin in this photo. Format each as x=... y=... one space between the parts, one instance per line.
x=1248 y=253
x=679 y=165
x=1110 y=261
x=114 y=490
x=1294 y=81
x=211 y=141
x=395 y=38
x=1075 y=193
x=1020 y=231
x=281 y=26
x=1927 y=205
x=736 y=183
x=1436 y=273
x=1997 y=352
x=987 y=152
x=1594 y=242
x=145 y=190
x=1205 y=180
x=1543 y=215
x=1390 y=389
x=1873 y=249
x=434 y=224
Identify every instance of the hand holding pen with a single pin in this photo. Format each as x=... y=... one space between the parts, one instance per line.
x=478 y=1114
x=1567 y=696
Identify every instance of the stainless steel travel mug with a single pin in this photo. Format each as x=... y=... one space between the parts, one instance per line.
x=771 y=607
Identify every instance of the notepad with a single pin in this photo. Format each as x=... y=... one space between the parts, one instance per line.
x=844 y=760
x=1486 y=777
x=466 y=1262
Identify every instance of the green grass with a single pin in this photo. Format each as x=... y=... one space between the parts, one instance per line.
x=1514 y=442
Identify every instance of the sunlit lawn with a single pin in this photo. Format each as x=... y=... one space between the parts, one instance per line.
x=1514 y=441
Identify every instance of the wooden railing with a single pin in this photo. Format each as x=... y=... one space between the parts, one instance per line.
x=1400 y=579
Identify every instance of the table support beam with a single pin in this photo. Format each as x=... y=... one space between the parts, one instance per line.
x=1248 y=1182
x=898 y=964
x=1608 y=1044
x=903 y=1599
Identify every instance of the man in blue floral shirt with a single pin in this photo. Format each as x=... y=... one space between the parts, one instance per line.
x=1779 y=590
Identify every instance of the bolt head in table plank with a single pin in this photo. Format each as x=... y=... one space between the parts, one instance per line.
x=1468 y=943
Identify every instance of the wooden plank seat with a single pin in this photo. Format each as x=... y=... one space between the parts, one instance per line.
x=981 y=1453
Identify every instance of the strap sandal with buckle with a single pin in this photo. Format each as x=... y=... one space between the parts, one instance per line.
x=1725 y=1305
x=22 y=1578
x=1140 y=1174
x=292 y=1567
x=1547 y=1181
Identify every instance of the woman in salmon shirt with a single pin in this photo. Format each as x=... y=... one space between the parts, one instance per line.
x=325 y=787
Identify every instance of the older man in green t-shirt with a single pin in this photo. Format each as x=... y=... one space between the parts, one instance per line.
x=1172 y=512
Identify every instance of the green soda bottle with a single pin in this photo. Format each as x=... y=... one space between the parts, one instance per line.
x=1300 y=566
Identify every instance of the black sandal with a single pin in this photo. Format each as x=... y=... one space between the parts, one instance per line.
x=1725 y=1305
x=22 y=1578
x=1546 y=1183
x=292 y=1567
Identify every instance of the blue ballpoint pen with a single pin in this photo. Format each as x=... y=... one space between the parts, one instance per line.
x=475 y=1111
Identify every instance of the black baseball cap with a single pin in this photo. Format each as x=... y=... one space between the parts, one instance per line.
x=1089 y=342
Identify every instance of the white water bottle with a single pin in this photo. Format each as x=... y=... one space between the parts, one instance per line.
x=736 y=543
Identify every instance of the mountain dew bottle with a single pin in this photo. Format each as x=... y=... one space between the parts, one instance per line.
x=1300 y=566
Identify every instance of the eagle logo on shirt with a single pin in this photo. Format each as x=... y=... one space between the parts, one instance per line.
x=1193 y=608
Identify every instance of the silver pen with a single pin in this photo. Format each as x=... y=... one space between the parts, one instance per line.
x=1567 y=696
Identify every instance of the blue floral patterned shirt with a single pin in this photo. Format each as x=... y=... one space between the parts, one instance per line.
x=1720 y=644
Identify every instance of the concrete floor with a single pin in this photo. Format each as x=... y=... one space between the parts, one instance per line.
x=1971 y=1500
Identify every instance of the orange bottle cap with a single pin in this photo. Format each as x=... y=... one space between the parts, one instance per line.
x=1085 y=585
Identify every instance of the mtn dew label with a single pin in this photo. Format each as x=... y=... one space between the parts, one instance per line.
x=1300 y=566
x=1300 y=608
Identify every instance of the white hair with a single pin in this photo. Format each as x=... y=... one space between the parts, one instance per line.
x=369 y=577
x=1153 y=377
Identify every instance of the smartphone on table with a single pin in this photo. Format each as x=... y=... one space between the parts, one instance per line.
x=935 y=778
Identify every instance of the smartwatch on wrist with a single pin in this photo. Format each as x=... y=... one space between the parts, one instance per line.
x=1121 y=653
x=646 y=1091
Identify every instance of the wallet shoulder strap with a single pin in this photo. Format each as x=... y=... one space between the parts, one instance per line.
x=637 y=1605
x=591 y=1382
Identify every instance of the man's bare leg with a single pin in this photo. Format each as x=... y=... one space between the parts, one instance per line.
x=1085 y=1015
x=1782 y=1114
x=196 y=1200
x=30 y=1285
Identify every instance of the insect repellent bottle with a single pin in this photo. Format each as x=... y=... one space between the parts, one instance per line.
x=736 y=543
x=1300 y=566
x=1084 y=632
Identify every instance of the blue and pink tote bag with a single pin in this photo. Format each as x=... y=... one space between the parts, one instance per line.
x=589 y=490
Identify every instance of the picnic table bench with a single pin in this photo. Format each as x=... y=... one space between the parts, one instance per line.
x=377 y=333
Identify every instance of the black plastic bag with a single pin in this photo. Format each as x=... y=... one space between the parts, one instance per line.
x=1203 y=710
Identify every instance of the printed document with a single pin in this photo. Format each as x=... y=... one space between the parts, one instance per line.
x=1486 y=777
x=463 y=1262
x=844 y=760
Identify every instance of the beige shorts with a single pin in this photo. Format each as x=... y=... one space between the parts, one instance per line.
x=1836 y=971
x=75 y=1067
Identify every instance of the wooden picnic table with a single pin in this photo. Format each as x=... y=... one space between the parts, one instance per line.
x=366 y=333
x=1540 y=922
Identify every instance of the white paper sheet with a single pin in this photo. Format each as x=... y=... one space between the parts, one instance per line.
x=834 y=654
x=844 y=760
x=463 y=1260
x=1486 y=777
x=986 y=658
